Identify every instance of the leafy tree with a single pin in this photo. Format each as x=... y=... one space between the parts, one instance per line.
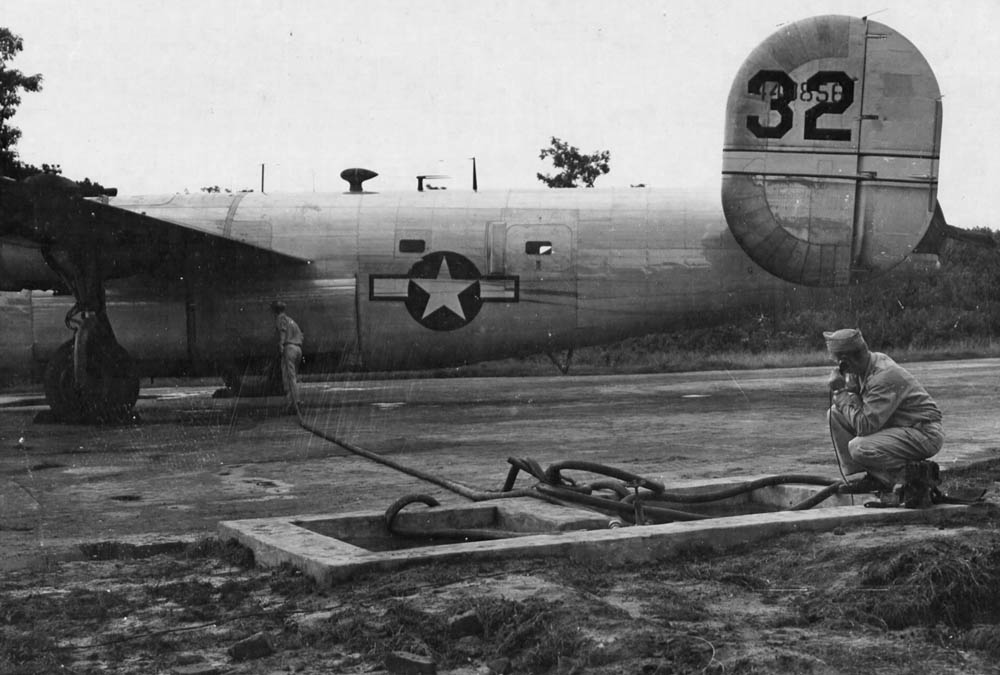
x=12 y=83
x=576 y=167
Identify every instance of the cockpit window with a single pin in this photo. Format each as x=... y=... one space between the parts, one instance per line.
x=538 y=247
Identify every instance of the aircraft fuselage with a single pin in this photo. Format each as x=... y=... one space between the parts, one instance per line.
x=420 y=279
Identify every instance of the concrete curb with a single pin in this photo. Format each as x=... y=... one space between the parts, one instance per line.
x=276 y=541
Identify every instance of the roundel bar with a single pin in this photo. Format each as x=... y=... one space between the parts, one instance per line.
x=830 y=162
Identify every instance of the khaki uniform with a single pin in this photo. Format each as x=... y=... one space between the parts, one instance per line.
x=889 y=422
x=290 y=340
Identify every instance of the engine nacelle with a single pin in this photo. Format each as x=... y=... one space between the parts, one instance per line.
x=23 y=267
x=830 y=163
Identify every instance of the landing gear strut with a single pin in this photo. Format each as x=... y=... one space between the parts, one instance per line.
x=90 y=378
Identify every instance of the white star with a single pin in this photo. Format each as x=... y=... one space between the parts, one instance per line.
x=444 y=292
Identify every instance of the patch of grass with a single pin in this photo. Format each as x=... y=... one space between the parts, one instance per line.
x=234 y=593
x=291 y=583
x=777 y=662
x=665 y=651
x=674 y=606
x=980 y=475
x=82 y=604
x=754 y=567
x=31 y=652
x=948 y=581
x=590 y=577
x=399 y=626
x=919 y=584
x=909 y=654
x=184 y=593
x=229 y=551
x=124 y=647
x=536 y=635
x=985 y=638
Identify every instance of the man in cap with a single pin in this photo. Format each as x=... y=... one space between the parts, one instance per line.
x=882 y=420
x=290 y=353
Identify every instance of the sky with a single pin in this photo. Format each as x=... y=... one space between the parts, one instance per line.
x=163 y=96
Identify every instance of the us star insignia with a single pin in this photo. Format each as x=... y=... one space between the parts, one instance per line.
x=443 y=290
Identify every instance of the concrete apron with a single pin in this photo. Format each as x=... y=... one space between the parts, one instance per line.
x=335 y=547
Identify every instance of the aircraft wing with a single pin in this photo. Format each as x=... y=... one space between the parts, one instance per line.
x=159 y=235
x=130 y=222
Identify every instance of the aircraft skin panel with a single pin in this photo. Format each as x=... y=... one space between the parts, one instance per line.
x=674 y=261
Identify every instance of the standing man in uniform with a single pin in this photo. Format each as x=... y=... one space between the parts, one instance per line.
x=882 y=420
x=290 y=353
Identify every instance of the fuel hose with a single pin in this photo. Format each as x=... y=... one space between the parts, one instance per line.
x=633 y=498
x=469 y=493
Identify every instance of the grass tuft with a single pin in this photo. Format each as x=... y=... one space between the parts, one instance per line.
x=938 y=581
x=984 y=637
x=229 y=551
x=535 y=634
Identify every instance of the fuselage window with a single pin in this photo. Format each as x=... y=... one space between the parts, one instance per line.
x=538 y=247
x=412 y=246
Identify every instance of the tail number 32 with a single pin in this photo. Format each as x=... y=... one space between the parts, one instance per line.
x=832 y=91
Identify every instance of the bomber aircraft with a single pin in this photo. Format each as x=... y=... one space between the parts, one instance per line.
x=829 y=178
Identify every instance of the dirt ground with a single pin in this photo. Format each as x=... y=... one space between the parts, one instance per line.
x=891 y=599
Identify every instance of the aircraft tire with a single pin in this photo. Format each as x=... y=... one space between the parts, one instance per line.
x=107 y=396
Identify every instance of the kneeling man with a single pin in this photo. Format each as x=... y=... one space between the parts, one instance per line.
x=882 y=420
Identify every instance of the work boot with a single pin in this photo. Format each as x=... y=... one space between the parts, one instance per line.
x=920 y=481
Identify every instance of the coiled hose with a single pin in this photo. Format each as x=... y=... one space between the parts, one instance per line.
x=641 y=506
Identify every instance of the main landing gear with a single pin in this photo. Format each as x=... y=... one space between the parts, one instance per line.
x=90 y=379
